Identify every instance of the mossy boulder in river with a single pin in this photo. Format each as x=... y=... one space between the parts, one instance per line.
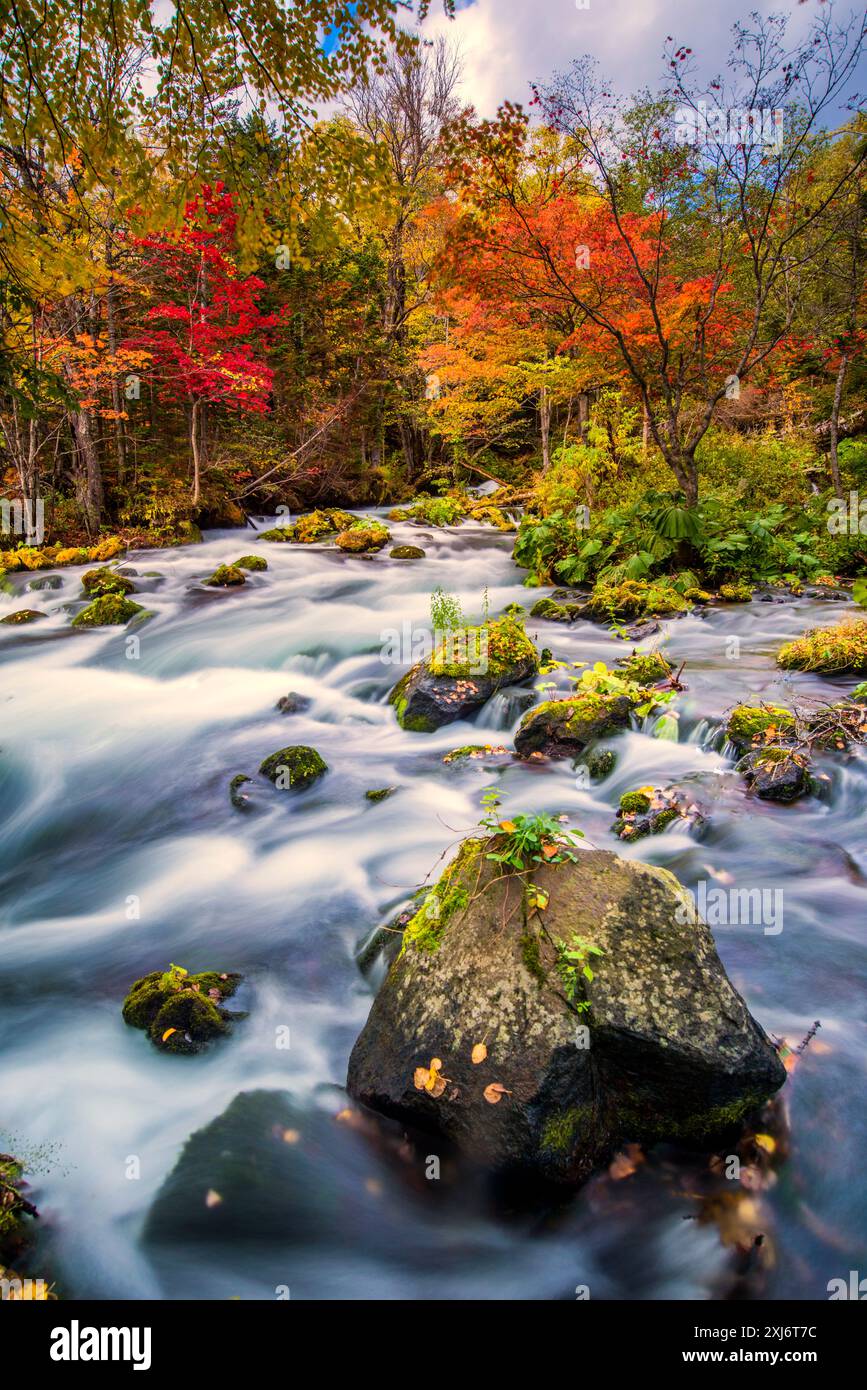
x=750 y=725
x=294 y=768
x=226 y=577
x=109 y=610
x=360 y=540
x=655 y=1045
x=22 y=616
x=556 y=612
x=465 y=670
x=842 y=647
x=251 y=562
x=564 y=728
x=106 y=581
x=178 y=1011
x=15 y=1208
x=407 y=552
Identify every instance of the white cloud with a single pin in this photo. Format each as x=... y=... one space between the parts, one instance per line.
x=506 y=44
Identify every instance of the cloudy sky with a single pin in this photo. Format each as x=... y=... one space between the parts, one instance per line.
x=508 y=43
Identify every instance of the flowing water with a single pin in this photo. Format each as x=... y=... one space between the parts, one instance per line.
x=121 y=852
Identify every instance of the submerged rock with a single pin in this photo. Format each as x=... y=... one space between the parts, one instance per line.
x=251 y=562
x=407 y=552
x=269 y=1171
x=463 y=673
x=379 y=793
x=293 y=768
x=238 y=797
x=651 y=1042
x=293 y=703
x=650 y=810
x=564 y=728
x=178 y=1011
x=46 y=581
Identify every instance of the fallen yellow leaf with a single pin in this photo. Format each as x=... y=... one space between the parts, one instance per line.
x=766 y=1142
x=479 y=1053
x=494 y=1093
x=168 y=1033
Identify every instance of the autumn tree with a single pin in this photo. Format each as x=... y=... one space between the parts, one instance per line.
x=205 y=334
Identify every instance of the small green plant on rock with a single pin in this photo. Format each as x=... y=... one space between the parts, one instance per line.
x=571 y=964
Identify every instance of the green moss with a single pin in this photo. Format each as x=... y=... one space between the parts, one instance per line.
x=842 y=647
x=425 y=930
x=638 y=802
x=189 y=1005
x=508 y=647
x=560 y=1131
x=359 y=539
x=106 y=581
x=22 y=615
x=250 y=562
x=277 y=535
x=735 y=593
x=315 y=526
x=645 y=668
x=663 y=818
x=601 y=764
x=406 y=552
x=555 y=612
x=473 y=751
x=696 y=595
x=238 y=798
x=294 y=767
x=532 y=957
x=635 y=598
x=110 y=610
x=380 y=793
x=226 y=577
x=748 y=723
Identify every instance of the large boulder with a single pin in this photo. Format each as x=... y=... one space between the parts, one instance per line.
x=650 y=1042
x=469 y=666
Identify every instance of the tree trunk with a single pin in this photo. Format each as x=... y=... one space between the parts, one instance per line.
x=117 y=405
x=583 y=415
x=835 y=424
x=88 y=475
x=545 y=422
x=195 y=445
x=645 y=429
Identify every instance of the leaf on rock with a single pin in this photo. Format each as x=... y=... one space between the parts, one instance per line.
x=479 y=1053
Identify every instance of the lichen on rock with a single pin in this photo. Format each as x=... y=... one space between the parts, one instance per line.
x=293 y=768
x=181 y=1012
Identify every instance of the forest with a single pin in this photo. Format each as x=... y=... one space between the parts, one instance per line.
x=432 y=585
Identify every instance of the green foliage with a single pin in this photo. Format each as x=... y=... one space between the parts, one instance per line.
x=572 y=964
x=842 y=647
x=526 y=840
x=445 y=611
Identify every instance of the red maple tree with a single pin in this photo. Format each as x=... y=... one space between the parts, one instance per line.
x=206 y=334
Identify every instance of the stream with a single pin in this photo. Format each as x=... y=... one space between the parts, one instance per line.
x=121 y=852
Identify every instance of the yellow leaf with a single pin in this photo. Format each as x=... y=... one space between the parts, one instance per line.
x=480 y=1052
x=168 y=1033
x=420 y=1079
x=436 y=1064
x=212 y=1199
x=508 y=826
x=766 y=1142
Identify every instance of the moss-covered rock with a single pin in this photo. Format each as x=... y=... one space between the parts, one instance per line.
x=749 y=725
x=650 y=810
x=178 y=1011
x=634 y=598
x=45 y=581
x=318 y=525
x=110 y=610
x=842 y=647
x=226 y=577
x=16 y=1212
x=464 y=671
x=600 y=763
x=379 y=793
x=406 y=552
x=735 y=593
x=556 y=612
x=106 y=581
x=645 y=668
x=251 y=562
x=277 y=535
x=476 y=752
x=564 y=728
x=294 y=768
x=653 y=1044
x=238 y=797
x=22 y=616
x=637 y=802
x=360 y=540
